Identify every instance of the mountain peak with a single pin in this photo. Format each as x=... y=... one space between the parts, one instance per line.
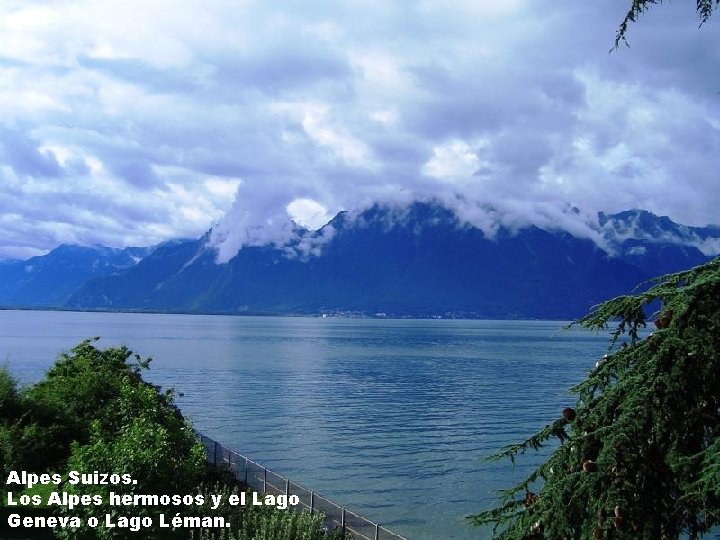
x=642 y=225
x=387 y=216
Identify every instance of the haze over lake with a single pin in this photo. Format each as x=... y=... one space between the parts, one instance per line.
x=389 y=417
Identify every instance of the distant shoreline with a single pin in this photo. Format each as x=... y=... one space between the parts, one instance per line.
x=310 y=315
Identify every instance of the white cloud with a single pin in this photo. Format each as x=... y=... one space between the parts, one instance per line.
x=453 y=160
x=385 y=116
x=223 y=188
x=147 y=115
x=308 y=213
x=319 y=125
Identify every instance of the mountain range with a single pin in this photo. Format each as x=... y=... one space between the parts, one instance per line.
x=49 y=280
x=417 y=261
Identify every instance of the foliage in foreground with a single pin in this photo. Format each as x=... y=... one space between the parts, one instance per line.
x=94 y=412
x=640 y=452
x=89 y=394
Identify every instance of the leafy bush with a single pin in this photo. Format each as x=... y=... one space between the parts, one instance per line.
x=81 y=387
x=152 y=444
x=10 y=402
x=148 y=440
x=7 y=449
x=94 y=412
x=11 y=410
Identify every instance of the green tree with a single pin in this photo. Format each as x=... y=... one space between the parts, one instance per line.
x=704 y=8
x=147 y=440
x=94 y=412
x=82 y=386
x=639 y=455
x=10 y=405
x=11 y=410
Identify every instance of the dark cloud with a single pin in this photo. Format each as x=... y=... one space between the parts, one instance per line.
x=138 y=72
x=134 y=168
x=280 y=68
x=21 y=152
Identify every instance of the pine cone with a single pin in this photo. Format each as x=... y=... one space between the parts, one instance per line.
x=663 y=321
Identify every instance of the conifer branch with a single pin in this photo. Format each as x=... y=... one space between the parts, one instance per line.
x=639 y=455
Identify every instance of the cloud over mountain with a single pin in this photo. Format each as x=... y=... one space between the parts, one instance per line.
x=126 y=124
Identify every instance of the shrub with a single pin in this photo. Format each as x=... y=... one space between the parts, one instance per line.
x=122 y=425
x=11 y=410
x=10 y=402
x=85 y=386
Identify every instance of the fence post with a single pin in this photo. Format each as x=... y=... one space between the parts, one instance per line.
x=215 y=452
x=287 y=488
x=246 y=473
x=264 y=480
x=342 y=520
x=377 y=531
x=312 y=501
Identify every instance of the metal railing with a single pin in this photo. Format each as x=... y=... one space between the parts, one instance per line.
x=262 y=479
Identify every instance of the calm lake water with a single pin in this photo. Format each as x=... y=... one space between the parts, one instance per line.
x=391 y=418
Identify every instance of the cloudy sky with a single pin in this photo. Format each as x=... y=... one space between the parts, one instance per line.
x=128 y=123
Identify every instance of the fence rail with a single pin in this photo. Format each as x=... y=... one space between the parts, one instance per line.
x=260 y=478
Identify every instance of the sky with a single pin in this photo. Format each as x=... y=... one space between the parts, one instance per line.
x=129 y=123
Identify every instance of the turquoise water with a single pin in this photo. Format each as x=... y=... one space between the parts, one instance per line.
x=389 y=417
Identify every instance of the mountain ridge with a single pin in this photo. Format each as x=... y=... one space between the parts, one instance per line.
x=48 y=280
x=420 y=261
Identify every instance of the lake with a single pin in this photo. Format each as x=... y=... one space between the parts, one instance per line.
x=391 y=418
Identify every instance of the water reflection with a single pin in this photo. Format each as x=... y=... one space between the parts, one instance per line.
x=390 y=417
